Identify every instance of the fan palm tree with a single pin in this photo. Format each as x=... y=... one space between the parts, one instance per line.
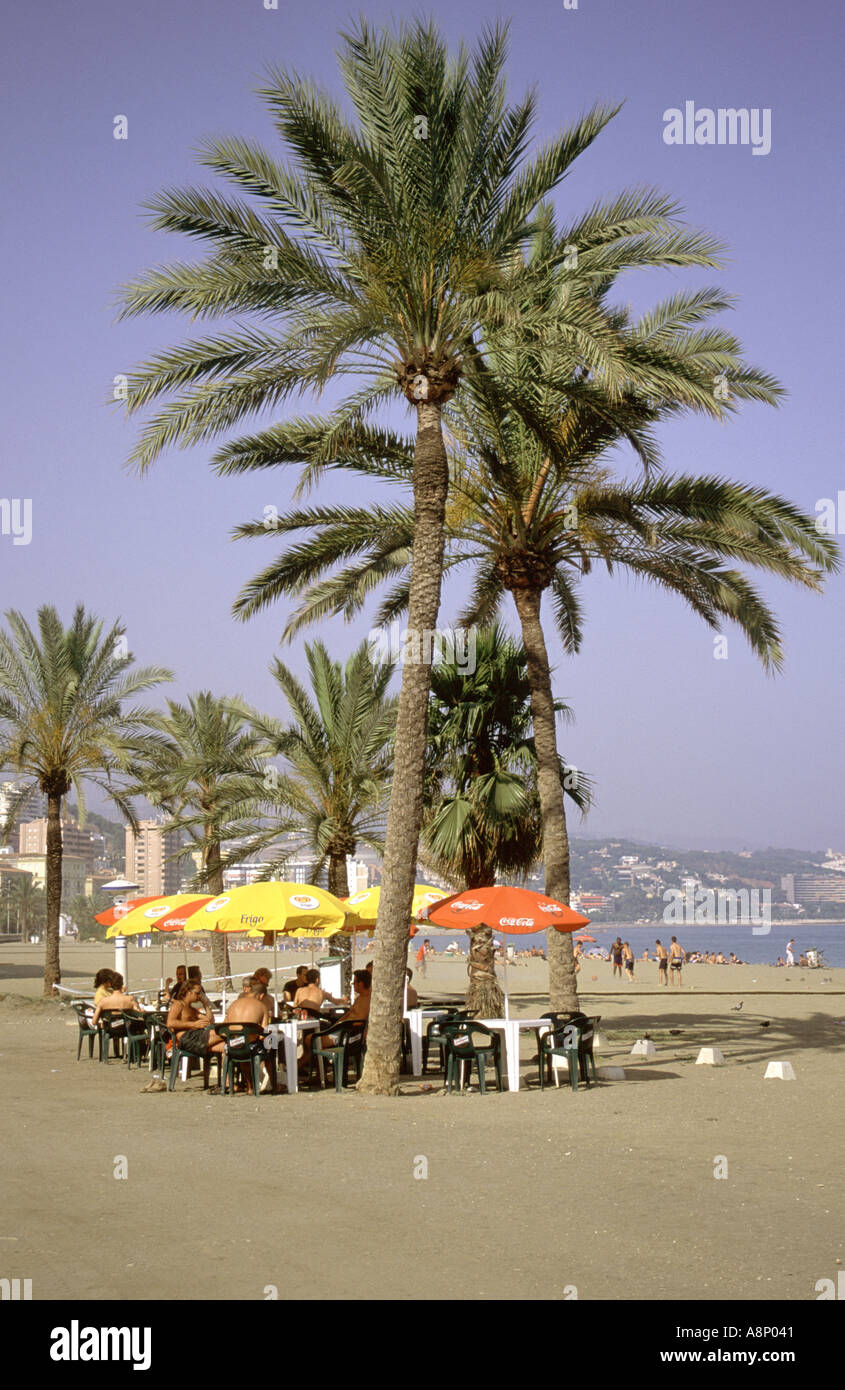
x=387 y=249
x=338 y=761
x=482 y=810
x=201 y=774
x=67 y=717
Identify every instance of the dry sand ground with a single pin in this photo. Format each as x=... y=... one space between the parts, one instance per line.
x=611 y=1190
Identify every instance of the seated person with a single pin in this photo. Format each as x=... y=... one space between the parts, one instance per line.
x=195 y=977
x=311 y=996
x=252 y=1007
x=412 y=998
x=117 y=998
x=102 y=985
x=264 y=975
x=358 y=1012
x=246 y=983
x=192 y=1030
x=289 y=990
x=171 y=986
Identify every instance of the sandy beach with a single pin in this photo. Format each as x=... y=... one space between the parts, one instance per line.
x=610 y=1190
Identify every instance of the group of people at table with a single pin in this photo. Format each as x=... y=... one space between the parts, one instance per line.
x=190 y=1017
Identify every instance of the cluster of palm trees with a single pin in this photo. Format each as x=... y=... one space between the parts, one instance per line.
x=412 y=249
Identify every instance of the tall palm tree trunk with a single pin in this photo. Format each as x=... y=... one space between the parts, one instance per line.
x=563 y=987
x=53 y=884
x=384 y=1035
x=484 y=996
x=341 y=943
x=220 y=963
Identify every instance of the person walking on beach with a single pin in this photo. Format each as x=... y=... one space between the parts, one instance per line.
x=421 y=957
x=790 y=952
x=662 y=963
x=628 y=958
x=616 y=957
x=676 y=961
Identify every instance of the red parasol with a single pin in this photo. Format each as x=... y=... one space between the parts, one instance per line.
x=513 y=911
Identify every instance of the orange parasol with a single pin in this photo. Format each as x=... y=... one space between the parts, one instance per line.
x=514 y=911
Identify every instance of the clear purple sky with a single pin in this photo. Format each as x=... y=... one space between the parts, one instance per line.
x=684 y=748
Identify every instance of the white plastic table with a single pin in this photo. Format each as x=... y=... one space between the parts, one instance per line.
x=511 y=1028
x=287 y=1034
x=415 y=1027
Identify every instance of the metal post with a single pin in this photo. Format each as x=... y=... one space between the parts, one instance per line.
x=121 y=959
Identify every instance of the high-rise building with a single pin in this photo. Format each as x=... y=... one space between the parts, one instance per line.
x=35 y=804
x=32 y=839
x=148 y=861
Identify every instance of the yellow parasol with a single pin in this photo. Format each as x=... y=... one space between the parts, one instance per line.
x=297 y=909
x=362 y=908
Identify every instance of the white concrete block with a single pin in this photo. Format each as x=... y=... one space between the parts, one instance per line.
x=611 y=1073
x=710 y=1057
x=643 y=1047
x=782 y=1071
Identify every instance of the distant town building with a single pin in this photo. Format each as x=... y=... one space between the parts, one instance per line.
x=35 y=804
x=32 y=839
x=148 y=862
x=74 y=872
x=814 y=888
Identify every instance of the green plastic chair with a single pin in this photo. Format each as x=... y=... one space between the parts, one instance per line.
x=112 y=1030
x=464 y=1048
x=437 y=1035
x=158 y=1037
x=349 y=1047
x=574 y=1042
x=84 y=1014
x=210 y=1058
x=136 y=1039
x=244 y=1047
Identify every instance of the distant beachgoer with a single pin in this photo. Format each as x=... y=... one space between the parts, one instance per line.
x=645 y=954
x=662 y=963
x=790 y=952
x=616 y=957
x=628 y=958
x=421 y=957
x=676 y=961
x=781 y=961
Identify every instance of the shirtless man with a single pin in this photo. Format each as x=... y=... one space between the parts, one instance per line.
x=412 y=999
x=190 y=1026
x=362 y=984
x=662 y=963
x=252 y=1007
x=311 y=996
x=676 y=962
x=264 y=975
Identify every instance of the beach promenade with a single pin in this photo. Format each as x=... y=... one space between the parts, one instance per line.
x=610 y=1191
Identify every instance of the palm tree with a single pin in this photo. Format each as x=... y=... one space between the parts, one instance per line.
x=67 y=717
x=387 y=250
x=338 y=754
x=482 y=816
x=201 y=774
x=530 y=522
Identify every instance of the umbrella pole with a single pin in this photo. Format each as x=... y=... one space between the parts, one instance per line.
x=275 y=972
x=161 y=977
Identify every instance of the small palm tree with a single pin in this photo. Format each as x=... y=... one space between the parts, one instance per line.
x=201 y=774
x=333 y=790
x=482 y=817
x=67 y=717
x=388 y=250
